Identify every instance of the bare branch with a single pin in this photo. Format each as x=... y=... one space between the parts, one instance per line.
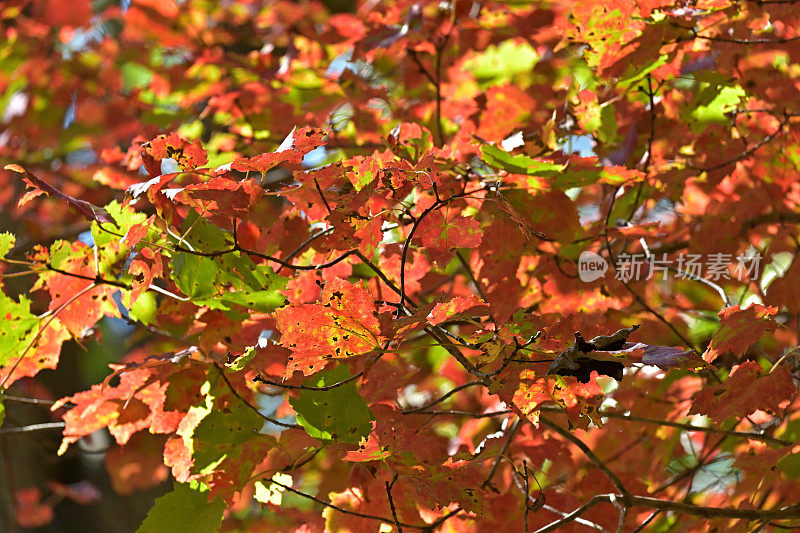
x=332 y=386
x=33 y=427
x=599 y=498
x=443 y=397
x=391 y=503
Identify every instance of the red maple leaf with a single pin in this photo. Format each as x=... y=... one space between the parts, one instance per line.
x=458 y=306
x=442 y=237
x=344 y=323
x=747 y=390
x=739 y=328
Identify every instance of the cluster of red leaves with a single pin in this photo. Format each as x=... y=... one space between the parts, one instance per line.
x=349 y=245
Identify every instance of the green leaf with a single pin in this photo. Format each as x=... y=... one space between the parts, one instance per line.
x=702 y=325
x=241 y=362
x=637 y=75
x=2 y=411
x=499 y=63
x=517 y=164
x=184 y=509
x=124 y=216
x=792 y=431
x=195 y=275
x=575 y=178
x=339 y=414
x=60 y=251
x=791 y=465
x=207 y=280
x=135 y=76
x=272 y=493
x=724 y=101
x=6 y=243
x=17 y=327
x=112 y=249
x=607 y=132
x=222 y=433
x=144 y=309
x=264 y=301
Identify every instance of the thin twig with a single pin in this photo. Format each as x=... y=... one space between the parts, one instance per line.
x=99 y=280
x=464 y=413
x=626 y=495
x=578 y=519
x=509 y=437
x=436 y=332
x=649 y=519
x=692 y=427
x=319 y=190
x=747 y=152
x=413 y=55
x=623 y=513
x=407 y=243
x=343 y=510
x=248 y=404
x=474 y=281
x=33 y=427
x=303 y=245
x=785 y=512
x=598 y=498
x=443 y=397
x=239 y=248
x=22 y=399
x=391 y=503
x=307 y=387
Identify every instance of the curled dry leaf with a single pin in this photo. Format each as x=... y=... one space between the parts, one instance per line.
x=608 y=355
x=89 y=211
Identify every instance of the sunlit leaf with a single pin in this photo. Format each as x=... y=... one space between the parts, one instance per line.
x=184 y=509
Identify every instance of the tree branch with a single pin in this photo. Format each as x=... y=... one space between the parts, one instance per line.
x=33 y=427
x=626 y=495
x=599 y=498
x=349 y=512
x=391 y=503
x=286 y=386
x=250 y=405
x=443 y=397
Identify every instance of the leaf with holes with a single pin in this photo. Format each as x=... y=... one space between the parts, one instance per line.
x=27 y=343
x=344 y=323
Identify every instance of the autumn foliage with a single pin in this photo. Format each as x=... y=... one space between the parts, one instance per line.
x=340 y=251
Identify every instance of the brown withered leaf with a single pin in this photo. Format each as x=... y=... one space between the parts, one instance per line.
x=608 y=355
x=88 y=210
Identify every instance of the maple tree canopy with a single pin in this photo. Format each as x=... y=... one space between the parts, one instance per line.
x=461 y=265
